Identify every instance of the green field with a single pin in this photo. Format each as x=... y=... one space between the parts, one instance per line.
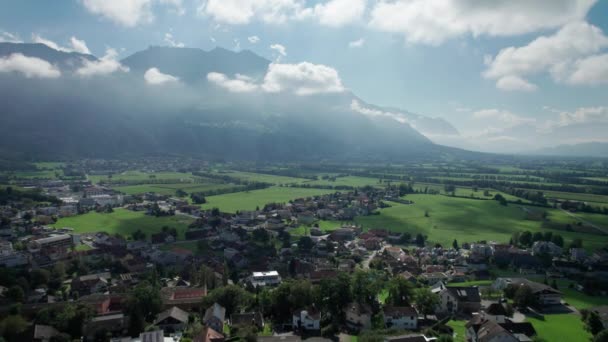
x=576 y=196
x=325 y=226
x=561 y=327
x=123 y=222
x=249 y=200
x=170 y=189
x=263 y=178
x=462 y=191
x=459 y=330
x=143 y=176
x=353 y=181
x=469 y=219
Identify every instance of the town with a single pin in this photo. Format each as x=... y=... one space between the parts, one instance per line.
x=303 y=269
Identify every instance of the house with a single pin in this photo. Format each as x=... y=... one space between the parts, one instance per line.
x=113 y=323
x=248 y=318
x=546 y=247
x=602 y=311
x=44 y=333
x=401 y=317
x=54 y=246
x=545 y=294
x=578 y=254
x=91 y=283
x=343 y=234
x=457 y=299
x=483 y=328
x=183 y=297
x=214 y=317
x=409 y=338
x=269 y=278
x=172 y=320
x=307 y=319
x=358 y=316
x=151 y=336
x=434 y=277
x=208 y=335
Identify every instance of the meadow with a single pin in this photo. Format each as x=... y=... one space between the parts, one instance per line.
x=452 y=218
x=263 y=178
x=353 y=181
x=139 y=176
x=249 y=200
x=170 y=189
x=561 y=327
x=123 y=222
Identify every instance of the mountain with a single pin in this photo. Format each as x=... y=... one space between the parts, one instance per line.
x=65 y=60
x=121 y=115
x=591 y=149
x=191 y=65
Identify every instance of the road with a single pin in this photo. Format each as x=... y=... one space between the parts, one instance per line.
x=603 y=230
x=369 y=259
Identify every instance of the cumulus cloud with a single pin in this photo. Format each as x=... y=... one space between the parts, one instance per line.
x=300 y=79
x=569 y=56
x=7 y=37
x=31 y=67
x=280 y=50
x=336 y=13
x=515 y=83
x=582 y=115
x=107 y=64
x=434 y=21
x=253 y=39
x=169 y=39
x=239 y=12
x=155 y=77
x=240 y=84
x=356 y=43
x=127 y=13
x=356 y=106
x=77 y=45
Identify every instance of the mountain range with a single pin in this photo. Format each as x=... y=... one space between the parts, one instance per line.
x=120 y=114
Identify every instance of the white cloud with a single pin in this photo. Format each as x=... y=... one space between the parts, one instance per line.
x=155 y=77
x=31 y=67
x=169 y=39
x=581 y=115
x=239 y=84
x=105 y=65
x=237 y=45
x=356 y=43
x=7 y=37
x=280 y=49
x=515 y=83
x=77 y=45
x=80 y=46
x=505 y=118
x=300 y=79
x=178 y=6
x=357 y=107
x=568 y=56
x=239 y=12
x=434 y=21
x=253 y=39
x=128 y=13
x=336 y=13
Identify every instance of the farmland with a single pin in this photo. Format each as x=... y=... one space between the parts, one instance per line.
x=123 y=222
x=249 y=200
x=450 y=217
x=170 y=189
x=138 y=176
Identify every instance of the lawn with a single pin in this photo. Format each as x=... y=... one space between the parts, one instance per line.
x=170 y=189
x=459 y=330
x=466 y=220
x=325 y=226
x=143 y=176
x=353 y=181
x=577 y=196
x=472 y=283
x=249 y=200
x=561 y=327
x=263 y=178
x=123 y=222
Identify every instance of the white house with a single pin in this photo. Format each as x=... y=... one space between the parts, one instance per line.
x=309 y=319
x=269 y=278
x=401 y=317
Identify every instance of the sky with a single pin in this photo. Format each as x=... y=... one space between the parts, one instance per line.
x=510 y=75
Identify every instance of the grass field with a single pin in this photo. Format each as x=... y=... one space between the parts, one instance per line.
x=123 y=222
x=561 y=327
x=459 y=330
x=462 y=191
x=170 y=189
x=263 y=178
x=576 y=196
x=353 y=181
x=325 y=226
x=466 y=219
x=143 y=176
x=249 y=200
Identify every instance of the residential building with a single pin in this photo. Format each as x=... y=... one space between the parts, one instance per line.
x=214 y=317
x=269 y=278
x=307 y=319
x=401 y=317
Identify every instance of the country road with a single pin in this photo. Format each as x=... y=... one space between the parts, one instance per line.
x=601 y=229
x=368 y=260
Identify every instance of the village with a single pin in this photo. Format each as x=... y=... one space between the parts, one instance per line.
x=274 y=274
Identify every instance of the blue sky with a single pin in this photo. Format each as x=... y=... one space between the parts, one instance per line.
x=436 y=58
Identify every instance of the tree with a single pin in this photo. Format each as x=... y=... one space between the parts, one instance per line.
x=12 y=326
x=558 y=240
x=198 y=198
x=576 y=243
x=39 y=277
x=593 y=323
x=143 y=304
x=400 y=292
x=305 y=243
x=231 y=297
x=72 y=318
x=525 y=238
x=15 y=294
x=445 y=338
x=524 y=297
x=335 y=293
x=538 y=236
x=602 y=336
x=420 y=240
x=365 y=285
x=180 y=193
x=455 y=244
x=426 y=301
x=138 y=235
x=501 y=199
